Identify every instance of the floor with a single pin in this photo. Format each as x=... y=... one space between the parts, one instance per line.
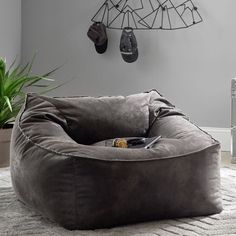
x=5 y=178
x=226 y=160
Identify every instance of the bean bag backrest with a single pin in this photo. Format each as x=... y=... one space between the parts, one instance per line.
x=88 y=120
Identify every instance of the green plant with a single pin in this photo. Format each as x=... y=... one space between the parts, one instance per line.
x=13 y=85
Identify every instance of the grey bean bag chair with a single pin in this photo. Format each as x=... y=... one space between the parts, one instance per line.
x=60 y=169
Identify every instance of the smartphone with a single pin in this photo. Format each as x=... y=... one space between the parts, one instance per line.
x=152 y=141
x=142 y=142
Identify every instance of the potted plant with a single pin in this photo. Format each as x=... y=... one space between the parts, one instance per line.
x=13 y=85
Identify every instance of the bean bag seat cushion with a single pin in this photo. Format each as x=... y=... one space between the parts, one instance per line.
x=60 y=169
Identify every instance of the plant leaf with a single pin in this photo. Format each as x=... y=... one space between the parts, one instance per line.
x=39 y=85
x=12 y=64
x=31 y=63
x=2 y=66
x=39 y=78
x=53 y=87
x=52 y=71
x=8 y=102
x=23 y=69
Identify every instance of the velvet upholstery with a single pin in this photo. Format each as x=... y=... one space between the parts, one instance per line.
x=59 y=171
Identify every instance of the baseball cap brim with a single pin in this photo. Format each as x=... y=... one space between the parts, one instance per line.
x=130 y=57
x=101 y=48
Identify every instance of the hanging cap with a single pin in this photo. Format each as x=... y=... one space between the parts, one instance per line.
x=97 y=33
x=128 y=45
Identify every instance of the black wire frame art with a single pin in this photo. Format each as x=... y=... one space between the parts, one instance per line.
x=151 y=15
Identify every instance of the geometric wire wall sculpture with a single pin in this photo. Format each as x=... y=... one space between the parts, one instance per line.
x=148 y=14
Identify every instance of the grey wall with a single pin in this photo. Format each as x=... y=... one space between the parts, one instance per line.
x=10 y=29
x=191 y=67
